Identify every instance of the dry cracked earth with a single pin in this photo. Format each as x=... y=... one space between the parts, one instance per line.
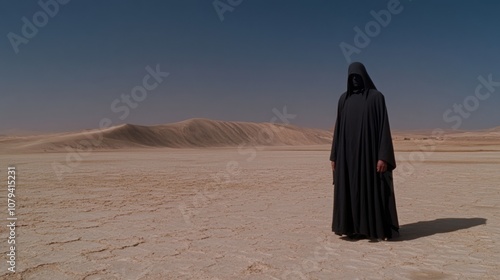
x=223 y=214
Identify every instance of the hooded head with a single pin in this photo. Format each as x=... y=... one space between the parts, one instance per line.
x=357 y=68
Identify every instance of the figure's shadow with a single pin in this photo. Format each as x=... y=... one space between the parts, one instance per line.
x=428 y=228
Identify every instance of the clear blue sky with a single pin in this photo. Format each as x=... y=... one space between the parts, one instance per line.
x=263 y=55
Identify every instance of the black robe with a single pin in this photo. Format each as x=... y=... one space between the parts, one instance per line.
x=364 y=201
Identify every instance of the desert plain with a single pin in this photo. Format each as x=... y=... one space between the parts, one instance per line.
x=243 y=211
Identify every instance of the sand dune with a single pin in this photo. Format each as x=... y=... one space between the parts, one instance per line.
x=495 y=129
x=198 y=132
x=449 y=140
x=185 y=134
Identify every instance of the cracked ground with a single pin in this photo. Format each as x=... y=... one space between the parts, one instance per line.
x=222 y=214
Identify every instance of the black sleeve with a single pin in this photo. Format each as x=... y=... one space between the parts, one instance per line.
x=386 y=149
x=333 y=153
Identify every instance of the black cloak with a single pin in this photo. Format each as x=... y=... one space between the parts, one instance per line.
x=364 y=201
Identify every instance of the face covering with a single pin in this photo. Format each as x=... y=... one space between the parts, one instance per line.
x=357 y=83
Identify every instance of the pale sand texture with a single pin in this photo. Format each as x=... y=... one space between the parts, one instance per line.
x=190 y=133
x=163 y=214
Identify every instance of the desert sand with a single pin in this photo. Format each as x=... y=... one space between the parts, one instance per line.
x=143 y=210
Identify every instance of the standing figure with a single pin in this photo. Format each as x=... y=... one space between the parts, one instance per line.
x=362 y=159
